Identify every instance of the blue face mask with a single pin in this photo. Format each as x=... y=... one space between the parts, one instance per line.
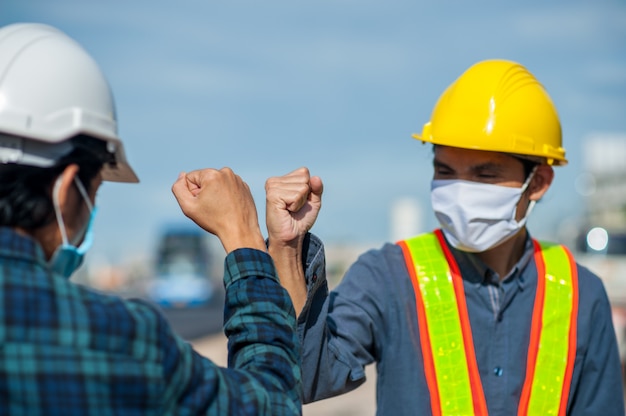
x=67 y=257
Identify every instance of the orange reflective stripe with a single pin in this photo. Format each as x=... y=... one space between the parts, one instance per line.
x=445 y=333
x=552 y=347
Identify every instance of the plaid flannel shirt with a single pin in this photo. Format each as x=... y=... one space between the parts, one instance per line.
x=68 y=350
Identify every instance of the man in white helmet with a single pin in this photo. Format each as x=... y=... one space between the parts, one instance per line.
x=475 y=317
x=70 y=351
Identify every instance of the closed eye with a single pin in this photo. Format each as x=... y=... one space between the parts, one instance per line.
x=442 y=170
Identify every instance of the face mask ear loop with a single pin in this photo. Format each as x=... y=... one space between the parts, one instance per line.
x=83 y=192
x=57 y=208
x=532 y=203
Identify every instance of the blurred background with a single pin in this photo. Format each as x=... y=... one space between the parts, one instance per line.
x=337 y=86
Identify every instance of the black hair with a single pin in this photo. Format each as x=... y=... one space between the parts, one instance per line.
x=25 y=191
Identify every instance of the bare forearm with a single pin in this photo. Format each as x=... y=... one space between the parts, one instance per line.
x=288 y=263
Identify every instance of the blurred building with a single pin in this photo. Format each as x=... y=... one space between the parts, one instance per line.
x=603 y=184
x=600 y=238
x=406 y=218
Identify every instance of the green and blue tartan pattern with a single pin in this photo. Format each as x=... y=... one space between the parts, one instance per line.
x=68 y=350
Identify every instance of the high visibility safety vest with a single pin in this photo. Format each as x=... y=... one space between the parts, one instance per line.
x=446 y=336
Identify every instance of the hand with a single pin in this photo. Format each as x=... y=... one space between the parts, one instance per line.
x=220 y=202
x=293 y=203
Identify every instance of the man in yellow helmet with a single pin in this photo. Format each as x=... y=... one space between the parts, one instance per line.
x=475 y=317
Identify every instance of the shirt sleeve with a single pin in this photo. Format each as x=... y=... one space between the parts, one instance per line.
x=599 y=390
x=263 y=374
x=334 y=356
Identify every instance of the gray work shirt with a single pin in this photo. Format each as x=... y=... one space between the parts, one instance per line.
x=371 y=318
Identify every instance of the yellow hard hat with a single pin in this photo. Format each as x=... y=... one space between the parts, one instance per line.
x=497 y=105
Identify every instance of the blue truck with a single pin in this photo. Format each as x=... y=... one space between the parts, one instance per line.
x=183 y=268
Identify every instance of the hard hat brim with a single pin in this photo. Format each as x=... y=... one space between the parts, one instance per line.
x=552 y=160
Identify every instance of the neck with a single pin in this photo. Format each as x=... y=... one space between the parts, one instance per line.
x=48 y=237
x=503 y=257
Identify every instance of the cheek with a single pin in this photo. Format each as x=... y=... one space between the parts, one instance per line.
x=77 y=225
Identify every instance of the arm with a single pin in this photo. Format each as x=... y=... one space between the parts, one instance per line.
x=264 y=374
x=344 y=331
x=261 y=330
x=293 y=203
x=334 y=355
x=599 y=390
x=337 y=330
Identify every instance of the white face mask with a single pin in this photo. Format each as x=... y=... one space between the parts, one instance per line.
x=476 y=216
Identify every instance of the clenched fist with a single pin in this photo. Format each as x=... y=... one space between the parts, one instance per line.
x=220 y=202
x=293 y=203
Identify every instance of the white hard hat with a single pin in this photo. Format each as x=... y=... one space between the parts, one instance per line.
x=52 y=90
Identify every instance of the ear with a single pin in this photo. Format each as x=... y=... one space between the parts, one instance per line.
x=66 y=182
x=541 y=181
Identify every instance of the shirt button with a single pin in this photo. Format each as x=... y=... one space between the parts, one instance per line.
x=314 y=279
x=497 y=371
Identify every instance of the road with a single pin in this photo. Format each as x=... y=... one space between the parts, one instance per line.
x=197 y=322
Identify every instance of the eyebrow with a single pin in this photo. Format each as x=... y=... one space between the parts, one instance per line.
x=487 y=166
x=490 y=166
x=439 y=164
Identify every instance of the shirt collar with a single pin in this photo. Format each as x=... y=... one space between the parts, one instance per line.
x=17 y=245
x=477 y=272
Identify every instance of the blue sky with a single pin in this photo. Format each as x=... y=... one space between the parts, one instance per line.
x=338 y=86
